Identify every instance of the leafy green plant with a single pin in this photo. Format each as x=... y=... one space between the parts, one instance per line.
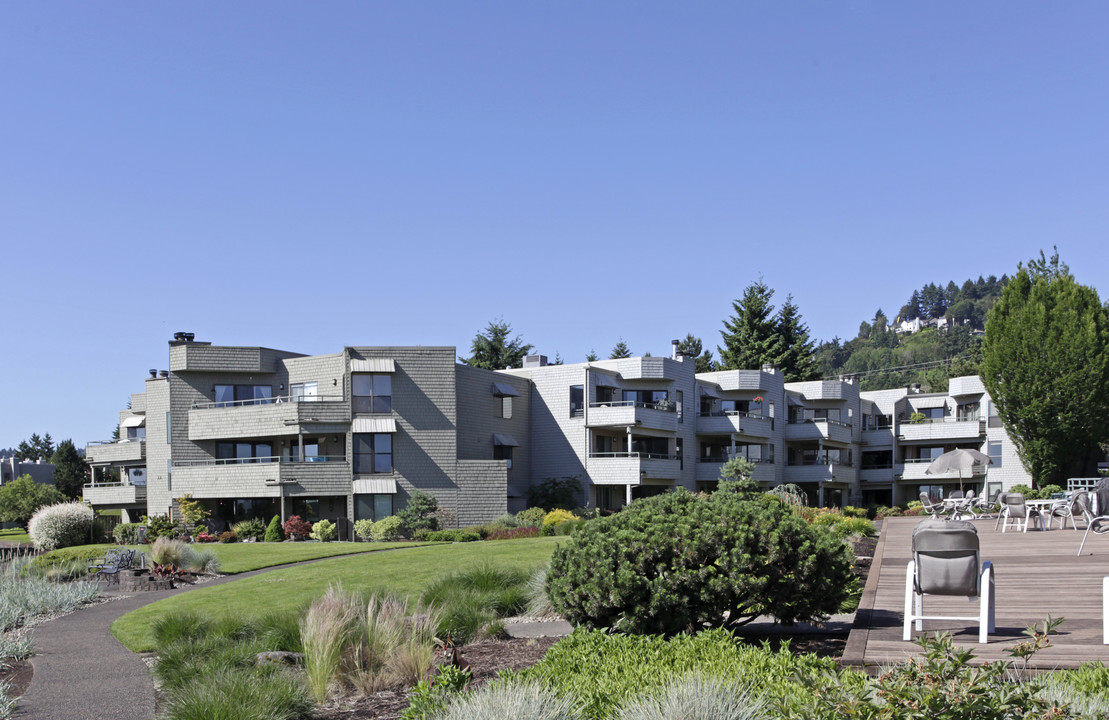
x=453 y=536
x=126 y=533
x=676 y=562
x=324 y=531
x=419 y=513
x=387 y=529
x=250 y=529
x=431 y=697
x=160 y=526
x=363 y=529
x=273 y=530
x=532 y=517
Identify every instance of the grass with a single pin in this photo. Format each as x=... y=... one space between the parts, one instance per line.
x=242 y=557
x=14 y=535
x=290 y=590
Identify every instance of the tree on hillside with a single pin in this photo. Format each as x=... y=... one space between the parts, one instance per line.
x=798 y=358
x=620 y=351
x=1045 y=363
x=702 y=359
x=71 y=472
x=751 y=334
x=493 y=350
x=35 y=448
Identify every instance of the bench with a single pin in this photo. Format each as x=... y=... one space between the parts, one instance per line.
x=114 y=560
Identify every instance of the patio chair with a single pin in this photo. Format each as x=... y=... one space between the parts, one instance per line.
x=946 y=562
x=1078 y=507
x=1001 y=511
x=108 y=569
x=1097 y=526
x=933 y=509
x=1017 y=514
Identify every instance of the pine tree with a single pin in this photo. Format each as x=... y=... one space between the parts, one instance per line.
x=71 y=472
x=751 y=334
x=592 y=356
x=620 y=351
x=493 y=350
x=798 y=357
x=692 y=347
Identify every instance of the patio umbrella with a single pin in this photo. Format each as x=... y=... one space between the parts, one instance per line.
x=957 y=460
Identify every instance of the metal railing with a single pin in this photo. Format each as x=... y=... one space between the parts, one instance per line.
x=280 y=399
x=928 y=420
x=640 y=455
x=664 y=406
x=113 y=484
x=731 y=413
x=114 y=442
x=802 y=421
x=725 y=458
x=258 y=460
x=820 y=461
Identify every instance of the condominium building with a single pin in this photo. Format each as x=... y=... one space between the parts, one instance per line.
x=257 y=432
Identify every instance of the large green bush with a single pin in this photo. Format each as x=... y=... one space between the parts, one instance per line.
x=273 y=530
x=419 y=513
x=675 y=562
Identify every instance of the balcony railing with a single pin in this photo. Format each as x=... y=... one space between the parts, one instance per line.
x=803 y=421
x=664 y=406
x=733 y=413
x=640 y=455
x=205 y=405
x=257 y=460
x=975 y=417
x=726 y=458
x=821 y=461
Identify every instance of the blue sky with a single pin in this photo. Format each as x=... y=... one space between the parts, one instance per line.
x=313 y=175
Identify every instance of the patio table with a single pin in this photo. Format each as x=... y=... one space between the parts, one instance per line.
x=1043 y=507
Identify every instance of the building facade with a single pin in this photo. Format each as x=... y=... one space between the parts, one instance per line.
x=257 y=432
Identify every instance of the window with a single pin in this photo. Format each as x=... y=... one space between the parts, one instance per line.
x=373 y=507
x=136 y=433
x=878 y=460
x=606 y=444
x=373 y=453
x=244 y=452
x=680 y=400
x=311 y=450
x=372 y=392
x=503 y=452
x=506 y=407
x=993 y=449
x=606 y=394
x=304 y=392
x=647 y=398
x=169 y=427
x=967 y=411
x=226 y=395
x=577 y=400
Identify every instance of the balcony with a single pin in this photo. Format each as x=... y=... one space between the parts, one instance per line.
x=262 y=477
x=115 y=453
x=626 y=413
x=942 y=429
x=819 y=429
x=265 y=418
x=114 y=494
x=735 y=422
x=632 y=468
x=877 y=437
x=914 y=470
x=967 y=385
x=876 y=474
x=824 y=472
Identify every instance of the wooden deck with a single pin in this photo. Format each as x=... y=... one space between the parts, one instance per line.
x=1037 y=573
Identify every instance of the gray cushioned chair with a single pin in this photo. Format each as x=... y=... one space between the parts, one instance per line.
x=946 y=562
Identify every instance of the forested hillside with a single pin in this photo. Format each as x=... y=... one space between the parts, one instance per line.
x=884 y=358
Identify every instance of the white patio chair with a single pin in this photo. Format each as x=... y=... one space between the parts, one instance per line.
x=933 y=509
x=1018 y=515
x=1097 y=526
x=1078 y=507
x=946 y=562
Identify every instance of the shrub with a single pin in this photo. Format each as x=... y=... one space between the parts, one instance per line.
x=324 y=531
x=791 y=494
x=387 y=529
x=227 y=537
x=126 y=533
x=273 y=531
x=532 y=517
x=696 y=698
x=557 y=517
x=22 y=497
x=297 y=529
x=674 y=562
x=170 y=552
x=61 y=525
x=419 y=513
x=515 y=534
x=205 y=537
x=453 y=536
x=363 y=530
x=554 y=493
x=568 y=527
x=251 y=529
x=480 y=530
x=473 y=598
x=160 y=526
x=520 y=701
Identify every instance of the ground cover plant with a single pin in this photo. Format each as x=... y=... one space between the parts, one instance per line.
x=26 y=592
x=404 y=572
x=678 y=562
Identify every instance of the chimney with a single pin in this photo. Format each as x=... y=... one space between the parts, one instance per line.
x=675 y=354
x=164 y=373
x=153 y=373
x=183 y=337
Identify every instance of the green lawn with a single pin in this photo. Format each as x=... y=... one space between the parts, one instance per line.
x=244 y=557
x=404 y=572
x=15 y=535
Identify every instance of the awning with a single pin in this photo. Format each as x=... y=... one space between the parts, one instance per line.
x=502 y=439
x=133 y=421
x=373 y=425
x=605 y=380
x=374 y=486
x=919 y=403
x=504 y=390
x=378 y=365
x=710 y=390
x=796 y=400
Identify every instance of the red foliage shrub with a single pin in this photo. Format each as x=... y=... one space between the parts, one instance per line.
x=297 y=529
x=514 y=534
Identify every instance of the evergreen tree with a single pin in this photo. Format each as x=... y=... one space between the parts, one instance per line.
x=493 y=350
x=71 y=472
x=35 y=448
x=751 y=334
x=1045 y=363
x=798 y=358
x=592 y=356
x=620 y=351
x=691 y=347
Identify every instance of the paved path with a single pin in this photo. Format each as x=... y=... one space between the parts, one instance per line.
x=83 y=673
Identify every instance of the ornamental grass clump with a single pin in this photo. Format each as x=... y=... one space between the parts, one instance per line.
x=524 y=701
x=61 y=525
x=681 y=562
x=475 y=598
x=327 y=632
x=695 y=697
x=25 y=593
x=184 y=556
